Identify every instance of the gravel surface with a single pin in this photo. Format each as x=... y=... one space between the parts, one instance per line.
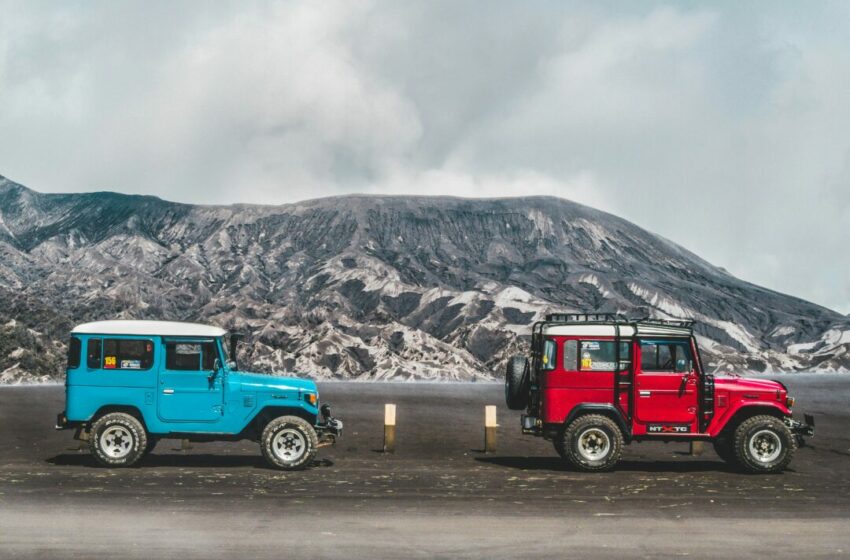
x=437 y=496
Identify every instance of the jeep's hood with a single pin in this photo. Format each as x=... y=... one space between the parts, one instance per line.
x=745 y=384
x=263 y=382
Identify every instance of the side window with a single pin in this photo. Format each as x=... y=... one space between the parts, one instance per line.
x=93 y=353
x=547 y=360
x=571 y=355
x=601 y=355
x=665 y=356
x=74 y=349
x=182 y=356
x=123 y=353
x=190 y=356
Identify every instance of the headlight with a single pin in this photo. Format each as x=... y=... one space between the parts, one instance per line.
x=789 y=402
x=311 y=398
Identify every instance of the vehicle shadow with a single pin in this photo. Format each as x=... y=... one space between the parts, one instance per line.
x=558 y=464
x=206 y=460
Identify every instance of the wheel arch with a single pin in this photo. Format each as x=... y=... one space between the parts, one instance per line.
x=125 y=408
x=746 y=412
x=269 y=413
x=601 y=409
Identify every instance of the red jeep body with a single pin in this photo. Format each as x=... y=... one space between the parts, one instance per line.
x=661 y=390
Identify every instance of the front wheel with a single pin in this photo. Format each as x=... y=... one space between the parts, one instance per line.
x=764 y=444
x=289 y=443
x=118 y=440
x=723 y=448
x=592 y=443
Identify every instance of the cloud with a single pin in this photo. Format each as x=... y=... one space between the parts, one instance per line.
x=721 y=126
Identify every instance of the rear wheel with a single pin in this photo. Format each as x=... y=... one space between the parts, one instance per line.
x=592 y=443
x=764 y=444
x=152 y=441
x=558 y=442
x=118 y=440
x=517 y=379
x=289 y=443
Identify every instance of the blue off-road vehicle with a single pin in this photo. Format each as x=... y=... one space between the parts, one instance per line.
x=131 y=383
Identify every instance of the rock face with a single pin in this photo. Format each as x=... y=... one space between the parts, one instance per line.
x=371 y=287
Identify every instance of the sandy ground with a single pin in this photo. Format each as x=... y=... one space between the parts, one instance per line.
x=437 y=496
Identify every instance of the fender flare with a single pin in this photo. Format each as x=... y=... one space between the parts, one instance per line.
x=271 y=411
x=608 y=410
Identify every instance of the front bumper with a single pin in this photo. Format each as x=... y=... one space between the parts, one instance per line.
x=329 y=429
x=802 y=429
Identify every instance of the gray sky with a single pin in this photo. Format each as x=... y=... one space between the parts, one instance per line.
x=723 y=127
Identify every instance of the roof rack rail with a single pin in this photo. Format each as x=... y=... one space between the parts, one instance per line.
x=586 y=318
x=683 y=323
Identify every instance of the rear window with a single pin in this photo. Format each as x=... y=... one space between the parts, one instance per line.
x=601 y=355
x=93 y=353
x=125 y=353
x=547 y=359
x=74 y=350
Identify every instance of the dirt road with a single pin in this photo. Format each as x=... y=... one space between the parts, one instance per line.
x=437 y=496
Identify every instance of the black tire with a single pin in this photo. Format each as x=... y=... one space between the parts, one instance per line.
x=723 y=448
x=118 y=440
x=589 y=431
x=152 y=441
x=517 y=380
x=764 y=444
x=289 y=443
x=558 y=442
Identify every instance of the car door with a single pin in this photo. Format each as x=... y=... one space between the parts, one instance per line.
x=666 y=387
x=189 y=390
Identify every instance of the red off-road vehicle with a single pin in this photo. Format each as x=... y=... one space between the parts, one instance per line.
x=596 y=382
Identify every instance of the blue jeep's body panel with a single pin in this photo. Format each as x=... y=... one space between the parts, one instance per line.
x=205 y=401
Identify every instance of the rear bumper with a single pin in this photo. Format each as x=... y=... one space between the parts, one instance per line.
x=531 y=425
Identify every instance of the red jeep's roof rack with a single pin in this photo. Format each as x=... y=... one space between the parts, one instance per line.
x=614 y=319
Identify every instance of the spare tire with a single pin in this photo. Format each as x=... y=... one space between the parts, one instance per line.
x=516 y=383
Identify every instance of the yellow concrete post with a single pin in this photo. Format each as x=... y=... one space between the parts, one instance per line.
x=490 y=426
x=389 y=428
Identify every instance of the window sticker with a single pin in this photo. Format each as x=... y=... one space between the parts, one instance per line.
x=590 y=345
x=110 y=362
x=587 y=360
x=131 y=364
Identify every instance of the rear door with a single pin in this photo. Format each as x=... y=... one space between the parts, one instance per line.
x=189 y=392
x=666 y=387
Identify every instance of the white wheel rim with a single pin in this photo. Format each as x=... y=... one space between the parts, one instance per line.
x=289 y=445
x=116 y=442
x=765 y=446
x=593 y=444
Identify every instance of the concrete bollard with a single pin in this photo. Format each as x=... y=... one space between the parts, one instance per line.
x=697 y=448
x=184 y=445
x=490 y=426
x=389 y=428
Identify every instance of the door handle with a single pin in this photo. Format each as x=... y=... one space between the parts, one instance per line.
x=168 y=391
x=644 y=393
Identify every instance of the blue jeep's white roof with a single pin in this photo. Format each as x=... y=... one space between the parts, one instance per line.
x=150 y=328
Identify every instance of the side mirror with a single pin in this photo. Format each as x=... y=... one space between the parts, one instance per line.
x=231 y=365
x=680 y=365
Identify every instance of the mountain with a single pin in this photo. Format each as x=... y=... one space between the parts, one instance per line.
x=373 y=287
